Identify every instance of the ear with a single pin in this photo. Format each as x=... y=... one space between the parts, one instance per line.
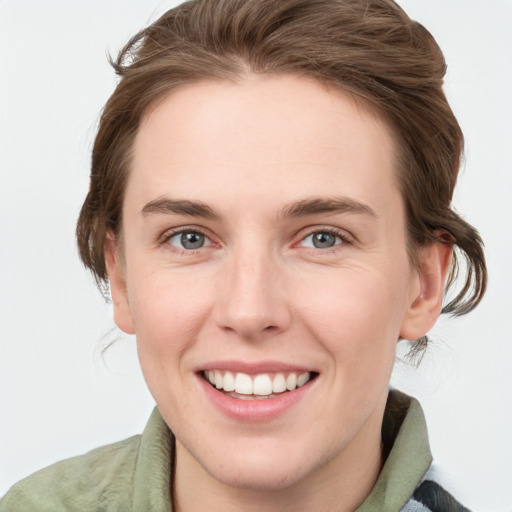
x=117 y=279
x=427 y=298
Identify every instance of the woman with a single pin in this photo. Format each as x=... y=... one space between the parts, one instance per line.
x=270 y=206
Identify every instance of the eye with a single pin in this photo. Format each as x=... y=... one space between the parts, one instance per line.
x=189 y=240
x=322 y=240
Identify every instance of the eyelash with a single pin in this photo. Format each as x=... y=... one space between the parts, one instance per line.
x=345 y=239
x=165 y=239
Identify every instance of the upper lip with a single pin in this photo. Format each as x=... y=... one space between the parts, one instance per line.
x=252 y=368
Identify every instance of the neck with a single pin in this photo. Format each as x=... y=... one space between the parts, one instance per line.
x=340 y=485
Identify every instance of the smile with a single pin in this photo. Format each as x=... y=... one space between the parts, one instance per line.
x=256 y=387
x=256 y=392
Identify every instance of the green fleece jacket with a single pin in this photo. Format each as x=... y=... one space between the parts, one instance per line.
x=134 y=475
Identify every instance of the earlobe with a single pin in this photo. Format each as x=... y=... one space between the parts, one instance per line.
x=426 y=304
x=117 y=279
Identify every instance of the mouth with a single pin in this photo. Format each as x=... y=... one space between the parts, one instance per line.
x=261 y=386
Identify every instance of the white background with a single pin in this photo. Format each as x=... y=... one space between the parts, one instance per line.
x=59 y=398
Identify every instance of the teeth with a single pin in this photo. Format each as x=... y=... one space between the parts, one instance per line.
x=243 y=384
x=218 y=379
x=229 y=382
x=302 y=379
x=291 y=381
x=279 y=383
x=261 y=385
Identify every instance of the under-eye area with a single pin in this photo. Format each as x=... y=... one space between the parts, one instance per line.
x=257 y=387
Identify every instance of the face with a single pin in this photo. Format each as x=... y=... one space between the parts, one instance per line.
x=264 y=249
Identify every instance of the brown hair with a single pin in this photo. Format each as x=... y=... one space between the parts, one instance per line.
x=369 y=48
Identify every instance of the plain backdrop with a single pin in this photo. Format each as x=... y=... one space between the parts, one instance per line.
x=59 y=397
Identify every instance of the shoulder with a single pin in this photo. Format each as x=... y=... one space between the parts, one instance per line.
x=431 y=495
x=90 y=482
x=435 y=498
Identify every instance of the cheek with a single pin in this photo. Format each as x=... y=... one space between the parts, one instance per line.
x=168 y=310
x=358 y=320
x=357 y=325
x=168 y=316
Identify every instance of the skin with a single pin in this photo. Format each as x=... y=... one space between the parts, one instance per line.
x=259 y=290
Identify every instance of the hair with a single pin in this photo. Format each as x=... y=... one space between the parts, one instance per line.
x=370 y=49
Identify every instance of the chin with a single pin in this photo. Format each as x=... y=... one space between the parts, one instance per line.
x=271 y=476
x=266 y=466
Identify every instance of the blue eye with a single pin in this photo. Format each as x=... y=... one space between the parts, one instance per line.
x=321 y=240
x=189 y=240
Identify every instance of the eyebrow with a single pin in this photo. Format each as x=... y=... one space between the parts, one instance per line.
x=180 y=207
x=319 y=205
x=302 y=208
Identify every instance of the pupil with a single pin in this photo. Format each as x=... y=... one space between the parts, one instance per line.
x=192 y=240
x=323 y=240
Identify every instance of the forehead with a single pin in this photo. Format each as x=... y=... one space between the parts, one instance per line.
x=266 y=132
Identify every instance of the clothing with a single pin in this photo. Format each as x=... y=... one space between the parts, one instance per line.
x=135 y=474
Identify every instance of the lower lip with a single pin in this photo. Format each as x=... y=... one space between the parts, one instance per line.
x=254 y=411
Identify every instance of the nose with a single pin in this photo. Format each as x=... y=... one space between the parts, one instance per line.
x=253 y=302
